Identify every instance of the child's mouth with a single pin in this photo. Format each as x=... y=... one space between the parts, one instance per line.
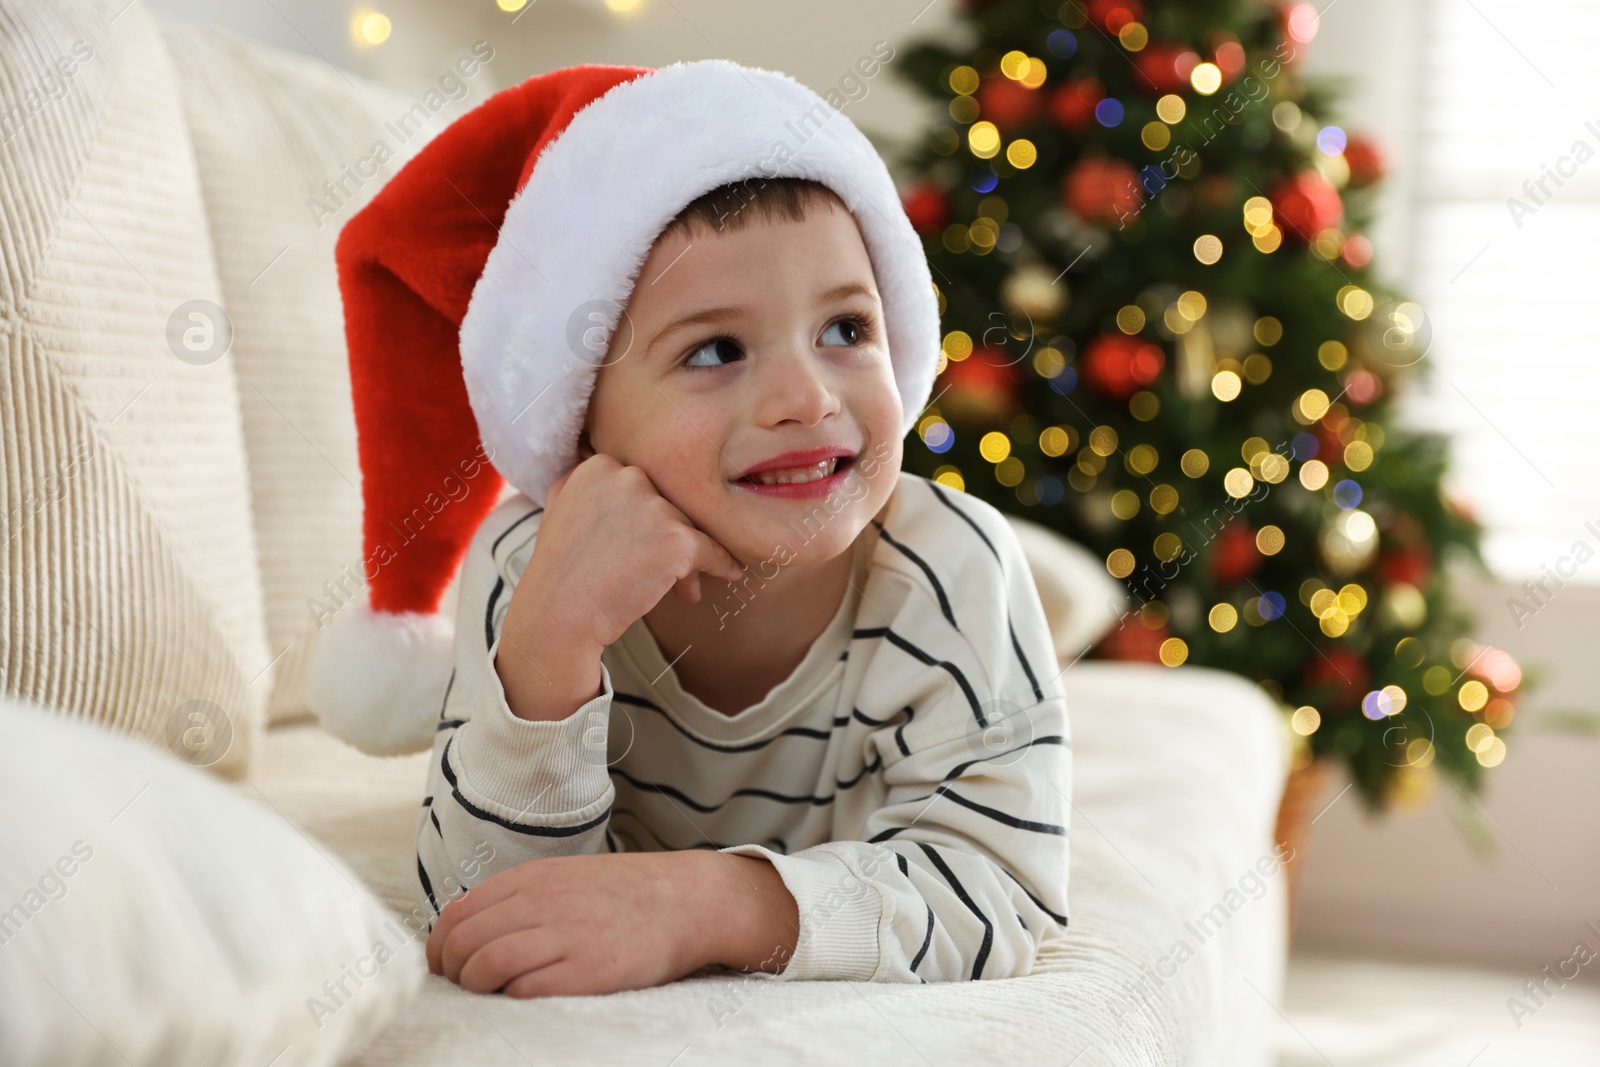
x=807 y=480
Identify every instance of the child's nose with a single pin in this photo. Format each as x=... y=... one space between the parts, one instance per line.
x=796 y=386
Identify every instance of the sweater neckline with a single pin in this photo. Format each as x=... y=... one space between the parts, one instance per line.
x=816 y=670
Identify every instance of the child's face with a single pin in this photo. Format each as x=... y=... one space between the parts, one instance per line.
x=787 y=353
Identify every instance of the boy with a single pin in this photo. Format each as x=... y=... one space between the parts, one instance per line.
x=839 y=749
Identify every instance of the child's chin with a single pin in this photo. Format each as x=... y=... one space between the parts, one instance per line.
x=794 y=535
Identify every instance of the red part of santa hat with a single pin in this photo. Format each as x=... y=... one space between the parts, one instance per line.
x=472 y=283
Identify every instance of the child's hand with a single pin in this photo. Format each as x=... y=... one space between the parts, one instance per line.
x=609 y=548
x=575 y=925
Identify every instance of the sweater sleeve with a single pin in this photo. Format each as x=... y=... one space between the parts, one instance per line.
x=962 y=872
x=503 y=790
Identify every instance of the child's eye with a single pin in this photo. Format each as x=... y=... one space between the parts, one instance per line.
x=718 y=348
x=851 y=330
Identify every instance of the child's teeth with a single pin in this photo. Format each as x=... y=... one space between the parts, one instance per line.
x=791 y=475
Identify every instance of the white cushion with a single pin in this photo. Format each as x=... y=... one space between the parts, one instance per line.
x=1082 y=602
x=153 y=915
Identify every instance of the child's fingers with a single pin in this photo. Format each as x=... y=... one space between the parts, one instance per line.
x=486 y=894
x=715 y=560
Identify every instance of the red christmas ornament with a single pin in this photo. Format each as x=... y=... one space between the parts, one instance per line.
x=1073 y=103
x=1229 y=58
x=983 y=387
x=1341 y=674
x=1115 y=14
x=1008 y=104
x=1165 y=67
x=1102 y=190
x=1307 y=204
x=1362 y=386
x=1365 y=161
x=1116 y=366
x=1329 y=448
x=1133 y=641
x=926 y=206
x=1234 y=556
x=1412 y=566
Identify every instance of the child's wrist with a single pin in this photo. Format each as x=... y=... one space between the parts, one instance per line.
x=751 y=921
x=547 y=679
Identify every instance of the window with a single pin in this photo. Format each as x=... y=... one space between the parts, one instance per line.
x=1507 y=265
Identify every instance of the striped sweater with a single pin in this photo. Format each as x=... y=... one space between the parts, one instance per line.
x=909 y=780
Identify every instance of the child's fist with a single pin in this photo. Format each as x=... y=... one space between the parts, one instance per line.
x=610 y=547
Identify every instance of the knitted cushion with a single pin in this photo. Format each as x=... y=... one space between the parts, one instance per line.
x=129 y=590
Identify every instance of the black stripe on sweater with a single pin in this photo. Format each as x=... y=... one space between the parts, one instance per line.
x=1038 y=694
x=766 y=794
x=499 y=582
x=793 y=731
x=427 y=886
x=777 y=843
x=1062 y=919
x=927 y=939
x=1048 y=739
x=981 y=809
x=943 y=498
x=489 y=816
x=488 y=612
x=938 y=589
x=922 y=657
x=1001 y=817
x=507 y=531
x=446 y=702
x=961 y=893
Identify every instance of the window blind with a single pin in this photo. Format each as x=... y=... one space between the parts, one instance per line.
x=1507 y=266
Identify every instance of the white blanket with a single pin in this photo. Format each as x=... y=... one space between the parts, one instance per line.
x=1175 y=950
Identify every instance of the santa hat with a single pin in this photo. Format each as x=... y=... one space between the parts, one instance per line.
x=468 y=282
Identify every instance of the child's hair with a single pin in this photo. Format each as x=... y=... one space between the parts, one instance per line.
x=737 y=204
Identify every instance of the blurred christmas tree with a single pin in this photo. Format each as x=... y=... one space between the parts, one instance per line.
x=1165 y=340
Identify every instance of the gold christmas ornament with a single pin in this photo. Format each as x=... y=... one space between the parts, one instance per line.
x=1349 y=541
x=1032 y=290
x=1196 y=360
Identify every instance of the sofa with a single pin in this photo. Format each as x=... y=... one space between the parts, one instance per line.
x=182 y=508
